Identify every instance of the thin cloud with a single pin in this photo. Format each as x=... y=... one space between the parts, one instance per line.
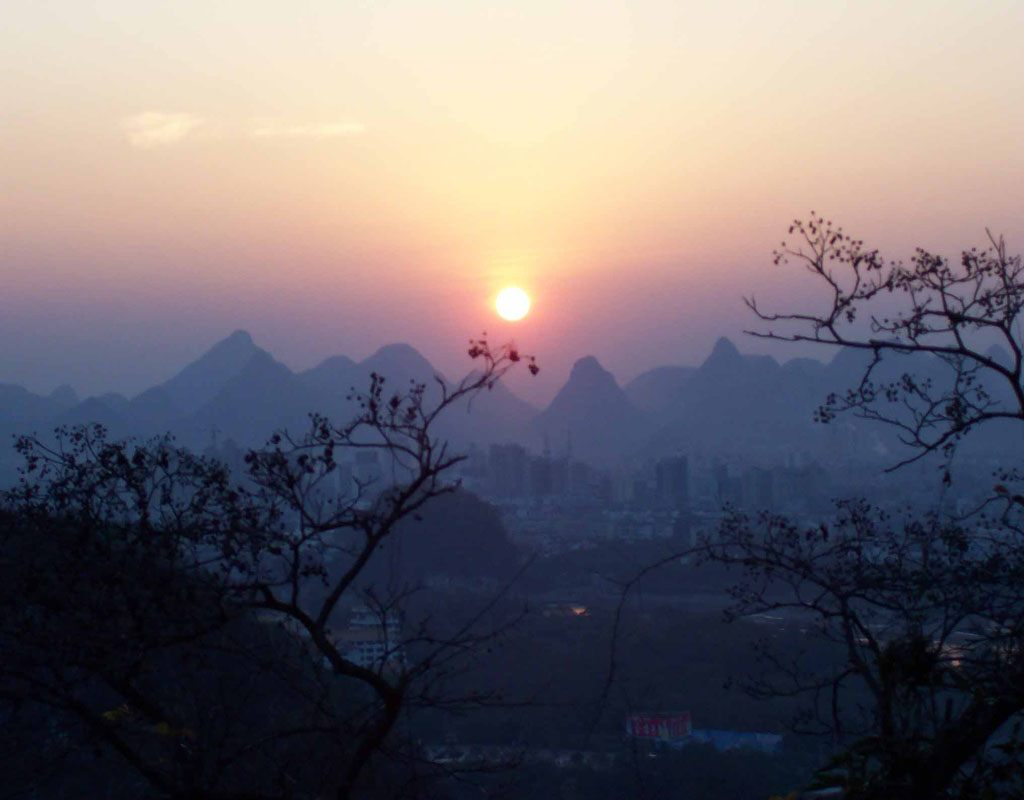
x=158 y=129
x=331 y=130
x=152 y=129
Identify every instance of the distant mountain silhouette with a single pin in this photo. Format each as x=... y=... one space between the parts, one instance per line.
x=331 y=378
x=659 y=390
x=21 y=412
x=18 y=405
x=148 y=411
x=399 y=363
x=493 y=415
x=201 y=381
x=114 y=401
x=736 y=403
x=730 y=404
x=238 y=391
x=807 y=369
x=106 y=409
x=91 y=411
x=335 y=379
x=166 y=406
x=594 y=412
x=263 y=397
x=63 y=397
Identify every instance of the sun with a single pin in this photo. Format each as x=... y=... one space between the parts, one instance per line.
x=512 y=303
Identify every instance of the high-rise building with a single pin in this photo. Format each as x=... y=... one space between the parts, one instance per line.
x=507 y=470
x=758 y=485
x=541 y=479
x=672 y=482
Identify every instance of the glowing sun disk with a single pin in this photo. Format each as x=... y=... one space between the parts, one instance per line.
x=512 y=303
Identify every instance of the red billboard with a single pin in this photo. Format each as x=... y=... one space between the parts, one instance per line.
x=661 y=725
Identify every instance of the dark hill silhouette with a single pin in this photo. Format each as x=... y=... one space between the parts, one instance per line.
x=329 y=384
x=105 y=409
x=331 y=378
x=19 y=405
x=249 y=401
x=731 y=404
x=117 y=402
x=265 y=396
x=168 y=405
x=399 y=363
x=334 y=380
x=659 y=390
x=457 y=536
x=91 y=411
x=845 y=372
x=21 y=412
x=806 y=368
x=63 y=397
x=593 y=410
x=736 y=403
x=149 y=411
x=494 y=415
x=201 y=381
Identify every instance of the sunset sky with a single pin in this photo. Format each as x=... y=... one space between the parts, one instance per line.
x=334 y=176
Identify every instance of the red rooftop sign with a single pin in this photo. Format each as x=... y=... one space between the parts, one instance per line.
x=668 y=725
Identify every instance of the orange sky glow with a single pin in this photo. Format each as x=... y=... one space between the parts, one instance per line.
x=336 y=176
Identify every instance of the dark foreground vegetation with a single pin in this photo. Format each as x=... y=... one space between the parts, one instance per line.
x=131 y=670
x=172 y=630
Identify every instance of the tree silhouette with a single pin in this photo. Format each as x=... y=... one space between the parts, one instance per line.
x=954 y=312
x=194 y=625
x=923 y=616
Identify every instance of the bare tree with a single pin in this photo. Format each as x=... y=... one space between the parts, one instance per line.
x=917 y=672
x=955 y=312
x=916 y=622
x=193 y=625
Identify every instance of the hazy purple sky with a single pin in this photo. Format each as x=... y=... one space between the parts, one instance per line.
x=336 y=176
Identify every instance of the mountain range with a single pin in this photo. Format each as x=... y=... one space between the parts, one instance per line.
x=730 y=405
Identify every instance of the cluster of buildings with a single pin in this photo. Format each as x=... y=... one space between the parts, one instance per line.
x=368 y=637
x=510 y=473
x=372 y=638
x=652 y=732
x=556 y=503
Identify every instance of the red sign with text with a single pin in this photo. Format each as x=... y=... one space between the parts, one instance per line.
x=659 y=726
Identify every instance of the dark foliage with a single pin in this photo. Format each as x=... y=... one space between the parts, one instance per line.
x=190 y=626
